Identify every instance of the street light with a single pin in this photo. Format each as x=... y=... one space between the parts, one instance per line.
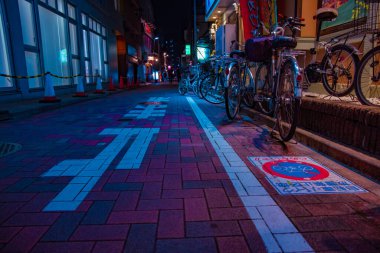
x=154 y=49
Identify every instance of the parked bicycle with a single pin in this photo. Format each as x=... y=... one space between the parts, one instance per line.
x=368 y=75
x=340 y=61
x=190 y=81
x=212 y=85
x=278 y=88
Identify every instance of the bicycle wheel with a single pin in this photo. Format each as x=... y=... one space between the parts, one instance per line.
x=198 y=85
x=232 y=93
x=212 y=89
x=287 y=104
x=338 y=70
x=182 y=87
x=368 y=78
x=249 y=91
x=264 y=88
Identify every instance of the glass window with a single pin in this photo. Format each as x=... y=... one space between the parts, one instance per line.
x=4 y=59
x=103 y=31
x=27 y=23
x=71 y=11
x=96 y=54
x=98 y=28
x=85 y=47
x=90 y=23
x=106 y=75
x=52 y=3
x=76 y=70
x=73 y=39
x=104 y=50
x=84 y=19
x=54 y=44
x=33 y=68
x=61 y=7
x=87 y=71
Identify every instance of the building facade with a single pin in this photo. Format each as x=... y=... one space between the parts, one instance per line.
x=64 y=37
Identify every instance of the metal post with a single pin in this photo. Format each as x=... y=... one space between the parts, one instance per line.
x=195 y=32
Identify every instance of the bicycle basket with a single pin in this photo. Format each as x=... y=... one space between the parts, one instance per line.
x=260 y=49
x=366 y=17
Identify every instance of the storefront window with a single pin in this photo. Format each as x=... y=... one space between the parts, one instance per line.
x=54 y=44
x=87 y=70
x=51 y=3
x=96 y=54
x=27 y=23
x=76 y=70
x=60 y=6
x=104 y=50
x=4 y=62
x=33 y=68
x=85 y=47
x=71 y=11
x=73 y=39
x=84 y=19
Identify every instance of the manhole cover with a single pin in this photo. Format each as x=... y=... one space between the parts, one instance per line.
x=8 y=148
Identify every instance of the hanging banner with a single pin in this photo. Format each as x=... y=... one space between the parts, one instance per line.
x=255 y=11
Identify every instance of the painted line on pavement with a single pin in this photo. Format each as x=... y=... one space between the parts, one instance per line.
x=87 y=172
x=155 y=109
x=135 y=154
x=274 y=227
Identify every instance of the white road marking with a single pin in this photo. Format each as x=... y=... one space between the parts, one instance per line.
x=87 y=172
x=260 y=208
x=149 y=110
x=135 y=154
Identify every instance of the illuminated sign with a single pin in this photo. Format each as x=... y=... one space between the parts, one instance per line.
x=188 y=49
x=203 y=53
x=210 y=4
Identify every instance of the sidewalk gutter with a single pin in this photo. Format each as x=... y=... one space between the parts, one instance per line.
x=368 y=165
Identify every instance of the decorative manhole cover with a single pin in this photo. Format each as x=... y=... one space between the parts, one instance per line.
x=8 y=148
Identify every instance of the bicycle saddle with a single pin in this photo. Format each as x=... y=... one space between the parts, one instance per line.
x=284 y=41
x=326 y=14
x=238 y=53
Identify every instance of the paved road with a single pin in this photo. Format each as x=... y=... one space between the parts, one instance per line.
x=152 y=171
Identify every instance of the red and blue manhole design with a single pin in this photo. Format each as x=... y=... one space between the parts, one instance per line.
x=302 y=175
x=295 y=170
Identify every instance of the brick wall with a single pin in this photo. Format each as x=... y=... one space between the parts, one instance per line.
x=354 y=125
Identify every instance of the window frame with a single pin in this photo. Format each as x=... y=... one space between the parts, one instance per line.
x=8 y=47
x=96 y=27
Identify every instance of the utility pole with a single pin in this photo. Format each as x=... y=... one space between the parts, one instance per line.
x=195 y=33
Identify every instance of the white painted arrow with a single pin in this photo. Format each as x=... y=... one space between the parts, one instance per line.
x=87 y=172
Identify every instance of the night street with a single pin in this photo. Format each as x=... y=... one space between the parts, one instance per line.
x=149 y=170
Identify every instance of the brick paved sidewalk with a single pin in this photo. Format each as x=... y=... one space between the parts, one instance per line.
x=84 y=181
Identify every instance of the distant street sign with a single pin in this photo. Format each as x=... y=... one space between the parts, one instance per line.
x=188 y=49
x=302 y=175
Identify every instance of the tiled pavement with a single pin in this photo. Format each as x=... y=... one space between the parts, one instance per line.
x=136 y=172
